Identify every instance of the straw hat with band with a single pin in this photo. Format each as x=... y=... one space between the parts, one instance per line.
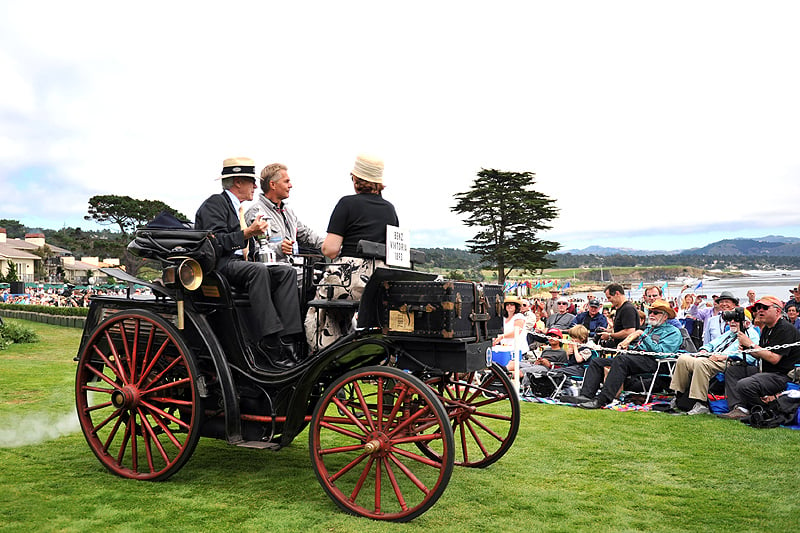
x=368 y=168
x=243 y=167
x=661 y=305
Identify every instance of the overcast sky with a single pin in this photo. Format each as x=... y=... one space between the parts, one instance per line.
x=654 y=125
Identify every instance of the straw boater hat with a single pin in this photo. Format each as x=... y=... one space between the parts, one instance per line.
x=661 y=305
x=368 y=168
x=512 y=299
x=238 y=166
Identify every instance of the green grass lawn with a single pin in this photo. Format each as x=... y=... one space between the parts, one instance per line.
x=570 y=470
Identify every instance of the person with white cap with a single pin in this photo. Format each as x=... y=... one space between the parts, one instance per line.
x=363 y=215
x=272 y=288
x=561 y=318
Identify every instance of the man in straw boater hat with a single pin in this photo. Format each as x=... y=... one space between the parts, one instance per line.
x=658 y=337
x=272 y=288
x=363 y=215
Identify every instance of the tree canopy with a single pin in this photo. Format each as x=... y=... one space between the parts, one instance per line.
x=508 y=213
x=126 y=212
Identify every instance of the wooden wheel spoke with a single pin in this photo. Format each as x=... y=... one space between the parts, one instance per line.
x=164 y=414
x=410 y=475
x=111 y=366
x=117 y=363
x=416 y=457
x=349 y=466
x=361 y=479
x=112 y=434
x=395 y=485
x=178 y=383
x=102 y=424
x=147 y=430
x=478 y=440
x=153 y=361
x=364 y=406
x=343 y=431
x=161 y=374
x=410 y=420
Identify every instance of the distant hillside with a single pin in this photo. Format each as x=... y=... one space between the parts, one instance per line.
x=767 y=247
x=770 y=246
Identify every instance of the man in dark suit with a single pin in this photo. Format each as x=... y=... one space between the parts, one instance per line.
x=272 y=288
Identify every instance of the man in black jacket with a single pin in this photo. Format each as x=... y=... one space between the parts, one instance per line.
x=272 y=288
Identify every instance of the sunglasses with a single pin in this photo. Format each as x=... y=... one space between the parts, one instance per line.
x=761 y=307
x=655 y=312
x=562 y=303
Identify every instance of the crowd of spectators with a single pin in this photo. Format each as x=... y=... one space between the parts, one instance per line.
x=63 y=296
x=744 y=346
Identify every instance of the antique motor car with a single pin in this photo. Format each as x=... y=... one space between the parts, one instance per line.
x=390 y=408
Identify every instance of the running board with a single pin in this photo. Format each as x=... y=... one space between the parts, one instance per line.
x=257 y=444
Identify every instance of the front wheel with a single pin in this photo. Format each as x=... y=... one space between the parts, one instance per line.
x=363 y=444
x=136 y=396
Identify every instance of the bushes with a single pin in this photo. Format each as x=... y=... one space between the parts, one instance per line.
x=16 y=333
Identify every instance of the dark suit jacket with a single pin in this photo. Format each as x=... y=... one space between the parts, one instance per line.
x=217 y=214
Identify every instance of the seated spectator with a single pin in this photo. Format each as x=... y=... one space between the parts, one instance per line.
x=592 y=318
x=792 y=314
x=560 y=318
x=795 y=299
x=513 y=325
x=550 y=356
x=713 y=325
x=657 y=338
x=743 y=387
x=696 y=370
x=625 y=318
x=578 y=353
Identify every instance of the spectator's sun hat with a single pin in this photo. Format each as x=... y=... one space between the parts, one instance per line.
x=728 y=295
x=661 y=305
x=555 y=332
x=238 y=166
x=561 y=299
x=368 y=168
x=594 y=302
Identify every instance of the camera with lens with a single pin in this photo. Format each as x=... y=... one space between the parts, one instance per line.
x=736 y=314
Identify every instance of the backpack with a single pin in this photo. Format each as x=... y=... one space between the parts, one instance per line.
x=780 y=412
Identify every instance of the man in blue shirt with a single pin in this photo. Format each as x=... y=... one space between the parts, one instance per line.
x=592 y=318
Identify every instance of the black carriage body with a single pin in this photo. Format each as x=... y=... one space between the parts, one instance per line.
x=440 y=309
x=179 y=365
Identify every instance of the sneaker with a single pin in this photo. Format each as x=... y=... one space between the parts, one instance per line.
x=735 y=414
x=698 y=409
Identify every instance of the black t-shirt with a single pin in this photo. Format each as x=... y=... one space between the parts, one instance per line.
x=781 y=333
x=625 y=317
x=361 y=216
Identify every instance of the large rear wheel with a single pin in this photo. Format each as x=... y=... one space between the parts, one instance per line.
x=363 y=438
x=484 y=411
x=136 y=396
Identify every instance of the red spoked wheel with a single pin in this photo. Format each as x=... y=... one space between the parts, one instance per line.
x=484 y=412
x=136 y=396
x=363 y=439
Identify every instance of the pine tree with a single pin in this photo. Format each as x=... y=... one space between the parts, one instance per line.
x=508 y=213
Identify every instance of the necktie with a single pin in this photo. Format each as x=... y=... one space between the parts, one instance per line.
x=243 y=226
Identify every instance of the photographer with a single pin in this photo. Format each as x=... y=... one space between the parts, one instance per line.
x=743 y=387
x=697 y=369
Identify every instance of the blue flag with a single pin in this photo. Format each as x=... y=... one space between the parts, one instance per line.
x=641 y=284
x=699 y=285
x=664 y=287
